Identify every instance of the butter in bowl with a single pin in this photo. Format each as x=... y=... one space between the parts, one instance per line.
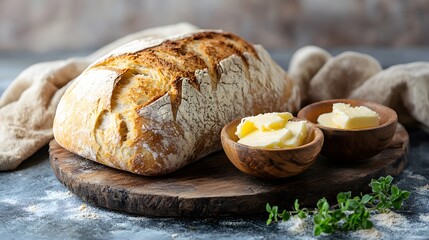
x=272 y=145
x=353 y=130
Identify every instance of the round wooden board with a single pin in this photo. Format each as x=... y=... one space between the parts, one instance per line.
x=214 y=187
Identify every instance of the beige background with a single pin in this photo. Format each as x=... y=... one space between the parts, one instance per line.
x=47 y=25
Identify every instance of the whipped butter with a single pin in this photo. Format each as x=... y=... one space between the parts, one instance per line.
x=345 y=116
x=272 y=130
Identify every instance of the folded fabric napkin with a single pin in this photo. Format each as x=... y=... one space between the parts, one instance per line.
x=404 y=87
x=27 y=107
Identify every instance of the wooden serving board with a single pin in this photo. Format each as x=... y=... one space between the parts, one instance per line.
x=214 y=187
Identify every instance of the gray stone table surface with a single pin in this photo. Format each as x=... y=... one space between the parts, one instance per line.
x=35 y=205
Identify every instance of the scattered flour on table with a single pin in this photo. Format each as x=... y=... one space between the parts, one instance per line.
x=137 y=218
x=62 y=204
x=424 y=217
x=390 y=219
x=9 y=201
x=56 y=195
x=32 y=208
x=40 y=210
x=232 y=223
x=422 y=189
x=410 y=174
x=368 y=234
x=295 y=225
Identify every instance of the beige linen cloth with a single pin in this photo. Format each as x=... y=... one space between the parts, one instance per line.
x=404 y=87
x=28 y=105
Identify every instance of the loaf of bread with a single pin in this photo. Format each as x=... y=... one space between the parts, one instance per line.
x=156 y=105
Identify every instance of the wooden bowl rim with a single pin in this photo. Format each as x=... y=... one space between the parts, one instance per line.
x=318 y=137
x=392 y=119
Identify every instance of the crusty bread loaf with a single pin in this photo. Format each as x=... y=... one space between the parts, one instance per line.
x=155 y=105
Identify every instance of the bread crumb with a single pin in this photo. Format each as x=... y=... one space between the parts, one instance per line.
x=368 y=233
x=82 y=207
x=86 y=213
x=389 y=219
x=90 y=215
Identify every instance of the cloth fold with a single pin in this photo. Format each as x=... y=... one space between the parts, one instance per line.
x=27 y=107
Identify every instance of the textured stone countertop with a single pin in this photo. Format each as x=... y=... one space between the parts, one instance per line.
x=35 y=205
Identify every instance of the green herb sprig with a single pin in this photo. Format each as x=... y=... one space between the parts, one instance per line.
x=349 y=214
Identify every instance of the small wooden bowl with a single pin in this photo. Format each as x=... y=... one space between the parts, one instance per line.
x=353 y=145
x=271 y=163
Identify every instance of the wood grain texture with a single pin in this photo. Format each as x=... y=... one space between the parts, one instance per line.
x=214 y=187
x=271 y=163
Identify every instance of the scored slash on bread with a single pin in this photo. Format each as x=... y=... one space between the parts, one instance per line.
x=159 y=69
x=153 y=106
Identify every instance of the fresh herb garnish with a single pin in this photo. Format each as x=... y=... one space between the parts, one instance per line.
x=349 y=213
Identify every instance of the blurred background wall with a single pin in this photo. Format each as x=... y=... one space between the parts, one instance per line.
x=49 y=25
